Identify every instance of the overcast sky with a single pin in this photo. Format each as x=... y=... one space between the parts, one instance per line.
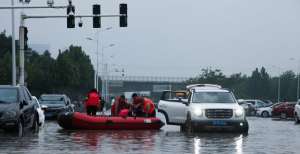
x=177 y=37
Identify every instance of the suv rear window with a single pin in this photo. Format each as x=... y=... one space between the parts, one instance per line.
x=9 y=95
x=212 y=97
x=52 y=98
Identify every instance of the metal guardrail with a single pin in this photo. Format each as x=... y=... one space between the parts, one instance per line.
x=146 y=78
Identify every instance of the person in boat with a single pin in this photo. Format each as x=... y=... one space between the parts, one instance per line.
x=93 y=102
x=119 y=105
x=142 y=107
x=102 y=103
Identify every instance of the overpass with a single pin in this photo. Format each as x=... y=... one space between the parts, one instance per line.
x=151 y=86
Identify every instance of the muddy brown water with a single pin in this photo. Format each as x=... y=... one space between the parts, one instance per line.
x=265 y=136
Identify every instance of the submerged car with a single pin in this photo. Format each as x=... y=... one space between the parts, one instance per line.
x=17 y=110
x=284 y=110
x=40 y=111
x=206 y=107
x=53 y=104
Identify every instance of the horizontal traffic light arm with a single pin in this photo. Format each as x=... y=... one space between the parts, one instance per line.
x=33 y=7
x=76 y=16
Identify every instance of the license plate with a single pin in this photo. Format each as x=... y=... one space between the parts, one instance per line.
x=219 y=123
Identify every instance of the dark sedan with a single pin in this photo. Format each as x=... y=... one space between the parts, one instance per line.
x=17 y=111
x=53 y=104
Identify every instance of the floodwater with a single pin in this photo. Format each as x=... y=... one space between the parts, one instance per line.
x=265 y=136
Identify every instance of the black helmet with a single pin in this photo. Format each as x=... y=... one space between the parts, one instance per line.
x=122 y=96
x=134 y=95
x=94 y=90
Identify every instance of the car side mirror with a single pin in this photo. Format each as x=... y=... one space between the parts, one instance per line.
x=180 y=99
x=23 y=103
x=184 y=102
x=44 y=107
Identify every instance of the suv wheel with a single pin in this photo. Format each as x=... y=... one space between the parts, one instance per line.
x=35 y=124
x=188 y=124
x=297 y=121
x=245 y=128
x=265 y=114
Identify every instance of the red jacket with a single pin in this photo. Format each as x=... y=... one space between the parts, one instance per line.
x=93 y=100
x=149 y=106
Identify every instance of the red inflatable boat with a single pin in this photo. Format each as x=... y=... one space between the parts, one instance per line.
x=76 y=120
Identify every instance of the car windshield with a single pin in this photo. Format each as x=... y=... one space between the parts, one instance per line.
x=212 y=97
x=51 y=98
x=8 y=95
x=52 y=102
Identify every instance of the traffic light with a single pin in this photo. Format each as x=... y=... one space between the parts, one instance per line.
x=25 y=38
x=70 y=16
x=123 y=15
x=96 y=17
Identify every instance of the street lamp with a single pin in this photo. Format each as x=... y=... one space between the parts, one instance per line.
x=278 y=88
x=14 y=77
x=104 y=84
x=298 y=68
x=97 y=64
x=96 y=80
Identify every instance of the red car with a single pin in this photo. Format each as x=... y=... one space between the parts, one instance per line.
x=284 y=110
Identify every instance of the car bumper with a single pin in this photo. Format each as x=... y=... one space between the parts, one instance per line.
x=221 y=125
x=8 y=124
x=52 y=114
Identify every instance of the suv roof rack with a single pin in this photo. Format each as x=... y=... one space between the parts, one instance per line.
x=203 y=85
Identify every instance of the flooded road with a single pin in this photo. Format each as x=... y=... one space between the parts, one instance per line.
x=265 y=136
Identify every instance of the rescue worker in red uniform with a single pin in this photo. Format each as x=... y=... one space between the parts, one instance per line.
x=119 y=104
x=92 y=103
x=143 y=107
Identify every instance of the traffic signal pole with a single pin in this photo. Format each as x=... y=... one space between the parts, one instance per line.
x=22 y=39
x=14 y=74
x=22 y=50
x=23 y=29
x=76 y=16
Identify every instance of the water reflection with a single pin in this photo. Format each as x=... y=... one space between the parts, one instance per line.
x=266 y=136
x=19 y=143
x=116 y=141
x=239 y=144
x=218 y=143
x=197 y=145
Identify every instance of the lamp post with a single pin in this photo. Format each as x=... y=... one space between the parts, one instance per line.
x=278 y=88
x=96 y=80
x=14 y=78
x=97 y=65
x=104 y=78
x=297 y=73
x=107 y=81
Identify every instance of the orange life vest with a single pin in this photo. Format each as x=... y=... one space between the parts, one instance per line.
x=93 y=100
x=149 y=106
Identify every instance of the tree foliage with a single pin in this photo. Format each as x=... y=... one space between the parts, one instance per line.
x=257 y=86
x=71 y=72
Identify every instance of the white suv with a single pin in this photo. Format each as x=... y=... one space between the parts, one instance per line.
x=203 y=107
x=297 y=112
